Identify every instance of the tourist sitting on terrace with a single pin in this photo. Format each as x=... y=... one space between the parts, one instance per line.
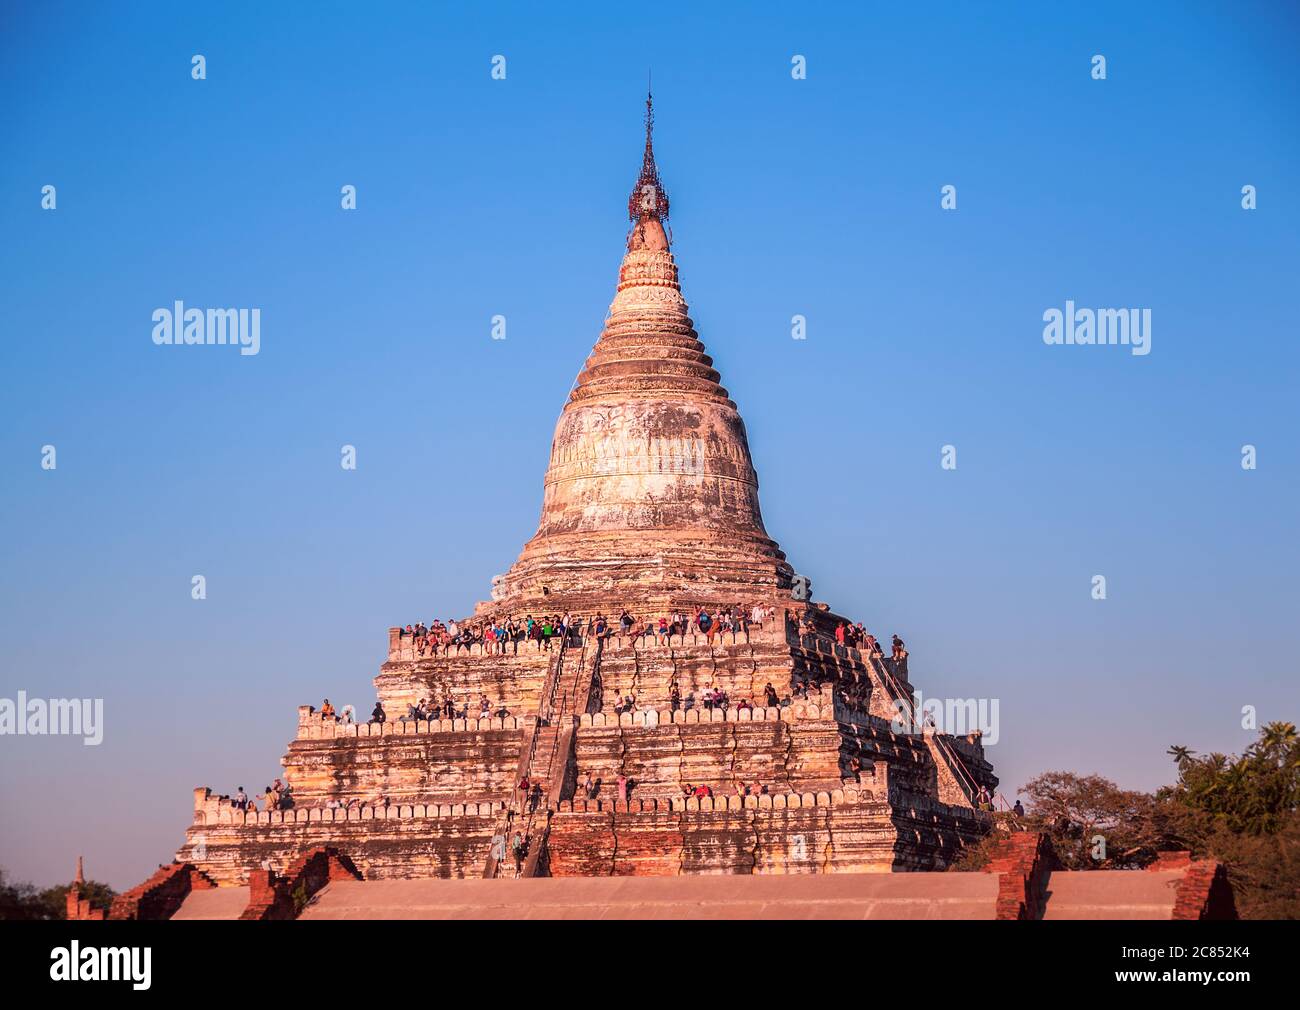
x=627 y=703
x=1018 y=810
x=240 y=801
x=590 y=787
x=272 y=798
x=348 y=717
x=674 y=698
x=662 y=629
x=899 y=651
x=484 y=708
x=769 y=696
x=625 y=622
x=715 y=698
x=743 y=703
x=757 y=789
x=439 y=637
x=378 y=714
x=327 y=711
x=702 y=792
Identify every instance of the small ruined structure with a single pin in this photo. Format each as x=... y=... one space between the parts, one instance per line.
x=650 y=506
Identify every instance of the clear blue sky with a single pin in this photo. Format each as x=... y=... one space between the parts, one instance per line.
x=479 y=197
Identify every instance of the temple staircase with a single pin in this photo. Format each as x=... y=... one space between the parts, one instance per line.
x=546 y=755
x=944 y=755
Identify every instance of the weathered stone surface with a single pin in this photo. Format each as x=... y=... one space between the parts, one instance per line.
x=650 y=503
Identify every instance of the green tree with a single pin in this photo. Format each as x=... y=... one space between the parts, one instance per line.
x=1241 y=810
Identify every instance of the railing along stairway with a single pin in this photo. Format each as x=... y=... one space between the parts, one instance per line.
x=560 y=757
x=546 y=755
x=497 y=851
x=939 y=746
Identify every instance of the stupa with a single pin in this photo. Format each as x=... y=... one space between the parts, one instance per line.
x=650 y=507
x=651 y=496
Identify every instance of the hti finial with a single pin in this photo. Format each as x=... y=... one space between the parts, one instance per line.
x=81 y=877
x=648 y=199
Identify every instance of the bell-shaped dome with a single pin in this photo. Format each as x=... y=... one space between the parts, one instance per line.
x=650 y=491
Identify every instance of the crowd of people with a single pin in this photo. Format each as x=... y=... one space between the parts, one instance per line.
x=496 y=634
x=701 y=791
x=855 y=636
x=499 y=633
x=431 y=710
x=425 y=710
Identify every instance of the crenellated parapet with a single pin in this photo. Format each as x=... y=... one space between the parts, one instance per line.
x=765 y=801
x=666 y=717
x=221 y=810
x=312 y=726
